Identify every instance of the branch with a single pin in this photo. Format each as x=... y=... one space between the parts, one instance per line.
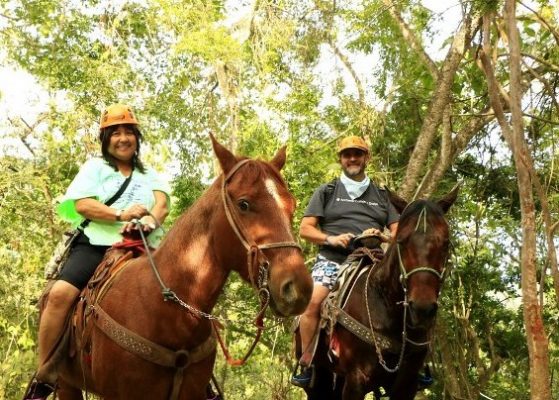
x=544 y=22
x=343 y=58
x=459 y=143
x=526 y=160
x=545 y=83
x=553 y=67
x=439 y=100
x=351 y=70
x=411 y=39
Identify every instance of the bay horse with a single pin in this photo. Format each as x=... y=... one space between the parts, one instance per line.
x=378 y=337
x=142 y=347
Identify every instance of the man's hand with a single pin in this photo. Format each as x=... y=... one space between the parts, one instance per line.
x=340 y=240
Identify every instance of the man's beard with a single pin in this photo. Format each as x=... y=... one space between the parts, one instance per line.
x=353 y=171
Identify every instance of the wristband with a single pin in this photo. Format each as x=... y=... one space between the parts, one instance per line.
x=118 y=215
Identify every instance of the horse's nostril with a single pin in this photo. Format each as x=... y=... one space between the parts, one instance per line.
x=426 y=311
x=288 y=291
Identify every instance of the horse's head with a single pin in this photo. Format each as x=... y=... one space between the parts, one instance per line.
x=421 y=247
x=259 y=211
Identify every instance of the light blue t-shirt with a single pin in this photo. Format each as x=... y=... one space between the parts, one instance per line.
x=97 y=179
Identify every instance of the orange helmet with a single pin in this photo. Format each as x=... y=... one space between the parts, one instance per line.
x=117 y=114
x=353 y=142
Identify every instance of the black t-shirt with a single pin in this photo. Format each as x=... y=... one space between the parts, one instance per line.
x=342 y=214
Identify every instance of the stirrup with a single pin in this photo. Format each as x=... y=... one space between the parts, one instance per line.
x=305 y=378
x=38 y=390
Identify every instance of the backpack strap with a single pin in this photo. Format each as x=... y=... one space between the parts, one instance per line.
x=329 y=191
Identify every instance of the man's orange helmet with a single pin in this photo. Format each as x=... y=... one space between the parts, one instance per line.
x=353 y=142
x=117 y=114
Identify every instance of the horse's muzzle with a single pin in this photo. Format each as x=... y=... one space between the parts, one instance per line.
x=422 y=314
x=292 y=297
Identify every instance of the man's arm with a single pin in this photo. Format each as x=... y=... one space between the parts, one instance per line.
x=393 y=227
x=310 y=232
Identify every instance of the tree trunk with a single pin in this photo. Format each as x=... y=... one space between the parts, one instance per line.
x=533 y=321
x=535 y=331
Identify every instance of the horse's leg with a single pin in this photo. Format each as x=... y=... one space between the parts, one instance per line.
x=324 y=386
x=67 y=392
x=353 y=388
x=406 y=383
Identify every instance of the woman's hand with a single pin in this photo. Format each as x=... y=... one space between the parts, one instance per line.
x=136 y=211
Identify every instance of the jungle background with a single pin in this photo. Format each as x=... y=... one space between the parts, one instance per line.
x=464 y=92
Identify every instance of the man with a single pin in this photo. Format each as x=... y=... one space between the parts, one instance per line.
x=336 y=213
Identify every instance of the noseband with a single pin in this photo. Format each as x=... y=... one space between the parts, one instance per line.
x=256 y=259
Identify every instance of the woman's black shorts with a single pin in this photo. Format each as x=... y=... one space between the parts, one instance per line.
x=82 y=262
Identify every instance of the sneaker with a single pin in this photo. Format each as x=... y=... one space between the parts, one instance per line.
x=304 y=378
x=38 y=391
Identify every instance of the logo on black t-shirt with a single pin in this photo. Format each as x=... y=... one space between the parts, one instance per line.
x=370 y=203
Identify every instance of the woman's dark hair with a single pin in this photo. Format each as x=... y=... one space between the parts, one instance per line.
x=105 y=137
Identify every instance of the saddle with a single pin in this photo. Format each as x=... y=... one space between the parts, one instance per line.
x=87 y=314
x=358 y=263
x=71 y=339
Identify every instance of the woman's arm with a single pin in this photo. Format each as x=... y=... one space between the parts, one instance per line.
x=95 y=210
x=160 y=209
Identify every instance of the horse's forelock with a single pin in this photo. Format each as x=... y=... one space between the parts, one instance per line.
x=409 y=218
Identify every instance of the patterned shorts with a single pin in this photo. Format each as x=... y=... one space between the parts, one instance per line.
x=325 y=272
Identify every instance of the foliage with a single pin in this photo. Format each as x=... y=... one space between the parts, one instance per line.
x=271 y=77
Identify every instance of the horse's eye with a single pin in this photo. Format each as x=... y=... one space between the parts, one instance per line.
x=244 y=205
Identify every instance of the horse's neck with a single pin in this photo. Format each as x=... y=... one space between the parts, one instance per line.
x=187 y=257
x=387 y=278
x=385 y=293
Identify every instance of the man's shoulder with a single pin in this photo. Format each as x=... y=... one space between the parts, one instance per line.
x=328 y=186
x=381 y=187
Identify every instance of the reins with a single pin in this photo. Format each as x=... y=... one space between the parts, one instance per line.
x=404 y=276
x=256 y=261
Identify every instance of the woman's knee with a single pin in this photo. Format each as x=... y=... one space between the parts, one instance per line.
x=62 y=295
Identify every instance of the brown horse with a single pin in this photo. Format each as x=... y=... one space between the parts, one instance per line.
x=241 y=223
x=381 y=333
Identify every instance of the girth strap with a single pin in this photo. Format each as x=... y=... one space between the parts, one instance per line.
x=151 y=351
x=365 y=334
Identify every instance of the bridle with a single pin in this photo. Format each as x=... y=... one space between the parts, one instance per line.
x=257 y=262
x=404 y=276
x=256 y=258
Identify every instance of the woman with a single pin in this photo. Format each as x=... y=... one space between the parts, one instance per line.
x=145 y=198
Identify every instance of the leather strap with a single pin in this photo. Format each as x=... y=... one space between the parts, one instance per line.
x=151 y=351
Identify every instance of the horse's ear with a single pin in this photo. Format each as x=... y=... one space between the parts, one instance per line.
x=279 y=159
x=398 y=202
x=226 y=159
x=449 y=198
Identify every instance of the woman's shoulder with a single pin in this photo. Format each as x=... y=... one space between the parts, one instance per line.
x=94 y=162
